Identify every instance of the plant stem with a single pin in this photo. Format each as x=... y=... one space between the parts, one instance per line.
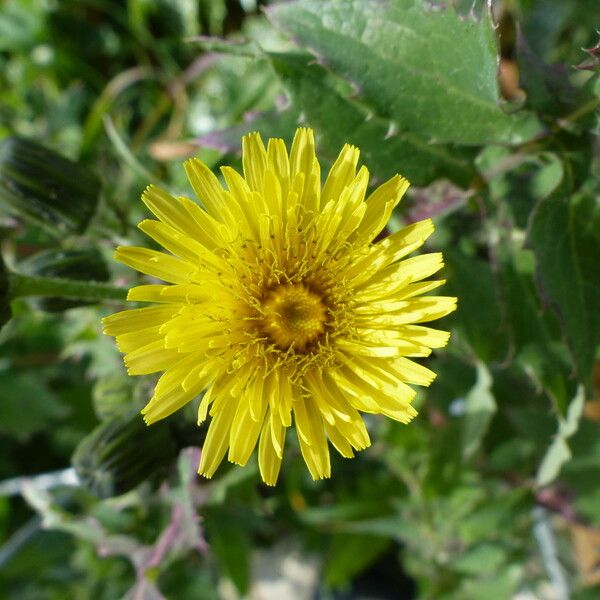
x=18 y=539
x=544 y=534
x=31 y=285
x=42 y=481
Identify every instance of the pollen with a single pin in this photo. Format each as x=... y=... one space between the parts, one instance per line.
x=294 y=316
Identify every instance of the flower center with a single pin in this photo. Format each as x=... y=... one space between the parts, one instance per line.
x=293 y=315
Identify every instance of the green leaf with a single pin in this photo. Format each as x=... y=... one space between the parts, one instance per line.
x=565 y=237
x=480 y=406
x=323 y=101
x=481 y=559
x=20 y=26
x=519 y=181
x=559 y=452
x=580 y=474
x=478 y=319
x=393 y=527
x=317 y=99
x=494 y=515
x=27 y=406
x=349 y=510
x=231 y=47
x=548 y=87
x=533 y=331
x=501 y=585
x=230 y=541
x=349 y=555
x=431 y=72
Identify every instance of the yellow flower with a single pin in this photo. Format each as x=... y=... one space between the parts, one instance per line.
x=281 y=307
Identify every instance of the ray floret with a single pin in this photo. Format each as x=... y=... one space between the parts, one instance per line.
x=280 y=308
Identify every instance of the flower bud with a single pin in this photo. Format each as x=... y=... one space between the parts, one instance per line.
x=123 y=452
x=42 y=186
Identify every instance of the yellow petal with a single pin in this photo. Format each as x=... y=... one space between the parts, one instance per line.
x=150 y=358
x=269 y=459
x=165 y=267
x=170 y=239
x=339 y=442
x=246 y=427
x=254 y=160
x=380 y=205
x=434 y=338
x=176 y=213
x=217 y=439
x=207 y=187
x=311 y=436
x=304 y=163
x=128 y=321
x=341 y=173
x=172 y=398
x=128 y=342
x=147 y=293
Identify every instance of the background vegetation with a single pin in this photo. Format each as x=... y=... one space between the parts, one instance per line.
x=494 y=489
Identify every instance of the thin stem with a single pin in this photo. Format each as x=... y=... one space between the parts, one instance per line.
x=18 y=539
x=587 y=108
x=31 y=285
x=122 y=149
x=42 y=481
x=544 y=535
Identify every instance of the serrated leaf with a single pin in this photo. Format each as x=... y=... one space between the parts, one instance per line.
x=317 y=100
x=322 y=102
x=565 y=237
x=431 y=72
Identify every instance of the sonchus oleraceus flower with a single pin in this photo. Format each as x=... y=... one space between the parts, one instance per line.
x=280 y=306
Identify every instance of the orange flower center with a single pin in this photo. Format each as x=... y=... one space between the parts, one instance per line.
x=293 y=315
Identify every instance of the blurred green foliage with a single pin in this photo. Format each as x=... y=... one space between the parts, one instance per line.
x=482 y=495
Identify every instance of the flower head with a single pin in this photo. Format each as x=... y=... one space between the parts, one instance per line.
x=281 y=307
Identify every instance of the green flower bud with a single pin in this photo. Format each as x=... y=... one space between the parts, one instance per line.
x=42 y=186
x=123 y=452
